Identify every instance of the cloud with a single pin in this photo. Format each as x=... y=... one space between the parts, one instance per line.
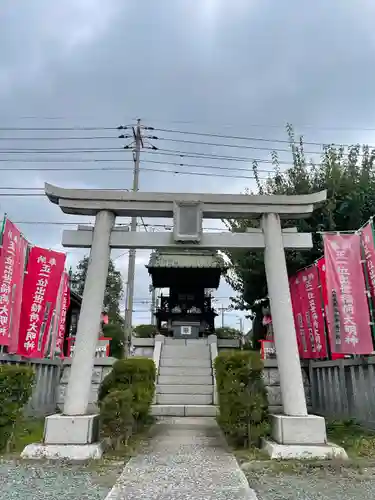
x=42 y=34
x=240 y=68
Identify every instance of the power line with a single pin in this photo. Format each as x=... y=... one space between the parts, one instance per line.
x=237 y=146
x=58 y=150
x=54 y=129
x=242 y=138
x=59 y=138
x=172 y=139
x=156 y=151
x=211 y=156
x=174 y=172
x=324 y=147
x=177 y=164
x=195 y=122
x=184 y=141
x=160 y=162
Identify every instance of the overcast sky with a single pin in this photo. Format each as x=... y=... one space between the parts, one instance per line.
x=239 y=68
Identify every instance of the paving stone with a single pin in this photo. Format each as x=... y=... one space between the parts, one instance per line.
x=187 y=459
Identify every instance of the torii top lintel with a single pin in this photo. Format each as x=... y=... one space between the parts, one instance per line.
x=213 y=206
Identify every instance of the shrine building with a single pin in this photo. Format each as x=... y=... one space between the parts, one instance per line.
x=190 y=277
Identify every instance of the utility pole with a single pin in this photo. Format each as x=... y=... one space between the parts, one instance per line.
x=240 y=321
x=136 y=145
x=222 y=309
x=153 y=304
x=132 y=253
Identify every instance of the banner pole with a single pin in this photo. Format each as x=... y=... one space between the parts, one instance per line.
x=2 y=229
x=367 y=280
x=325 y=321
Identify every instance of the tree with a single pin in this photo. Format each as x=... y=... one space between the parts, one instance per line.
x=115 y=331
x=226 y=332
x=113 y=291
x=145 y=331
x=348 y=175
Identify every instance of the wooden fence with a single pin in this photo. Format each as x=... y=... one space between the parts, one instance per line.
x=44 y=398
x=344 y=389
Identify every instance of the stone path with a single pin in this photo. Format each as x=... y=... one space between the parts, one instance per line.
x=185 y=459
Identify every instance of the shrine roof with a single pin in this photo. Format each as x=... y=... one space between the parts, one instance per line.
x=186 y=259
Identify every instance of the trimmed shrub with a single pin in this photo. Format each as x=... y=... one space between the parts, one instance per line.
x=136 y=375
x=16 y=385
x=242 y=397
x=116 y=417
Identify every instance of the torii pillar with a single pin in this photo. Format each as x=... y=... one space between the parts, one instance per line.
x=74 y=434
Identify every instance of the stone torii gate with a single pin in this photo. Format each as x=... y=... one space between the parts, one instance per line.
x=74 y=434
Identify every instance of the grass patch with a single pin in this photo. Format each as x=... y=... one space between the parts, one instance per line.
x=30 y=430
x=114 y=460
x=251 y=454
x=27 y=431
x=357 y=441
x=131 y=448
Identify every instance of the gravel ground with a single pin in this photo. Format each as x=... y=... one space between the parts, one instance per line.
x=345 y=484
x=53 y=481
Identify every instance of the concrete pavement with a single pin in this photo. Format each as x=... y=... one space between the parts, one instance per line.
x=186 y=458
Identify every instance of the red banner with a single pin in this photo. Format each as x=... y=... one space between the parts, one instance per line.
x=19 y=276
x=54 y=324
x=64 y=302
x=11 y=275
x=312 y=309
x=302 y=340
x=349 y=316
x=40 y=289
x=367 y=237
x=321 y=263
x=304 y=310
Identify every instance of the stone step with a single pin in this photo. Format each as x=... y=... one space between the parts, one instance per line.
x=184 y=399
x=174 y=362
x=188 y=342
x=184 y=410
x=185 y=389
x=185 y=352
x=186 y=371
x=185 y=381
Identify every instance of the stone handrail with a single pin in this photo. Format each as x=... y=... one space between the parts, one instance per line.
x=159 y=341
x=213 y=343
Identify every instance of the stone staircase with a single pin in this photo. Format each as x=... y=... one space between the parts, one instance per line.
x=185 y=379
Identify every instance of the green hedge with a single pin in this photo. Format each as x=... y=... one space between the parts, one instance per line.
x=126 y=393
x=116 y=417
x=242 y=397
x=16 y=385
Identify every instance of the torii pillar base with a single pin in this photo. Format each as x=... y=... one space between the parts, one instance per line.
x=66 y=437
x=300 y=438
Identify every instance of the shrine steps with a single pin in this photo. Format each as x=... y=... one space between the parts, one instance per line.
x=204 y=388
x=184 y=411
x=185 y=380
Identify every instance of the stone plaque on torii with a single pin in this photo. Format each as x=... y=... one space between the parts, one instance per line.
x=295 y=426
